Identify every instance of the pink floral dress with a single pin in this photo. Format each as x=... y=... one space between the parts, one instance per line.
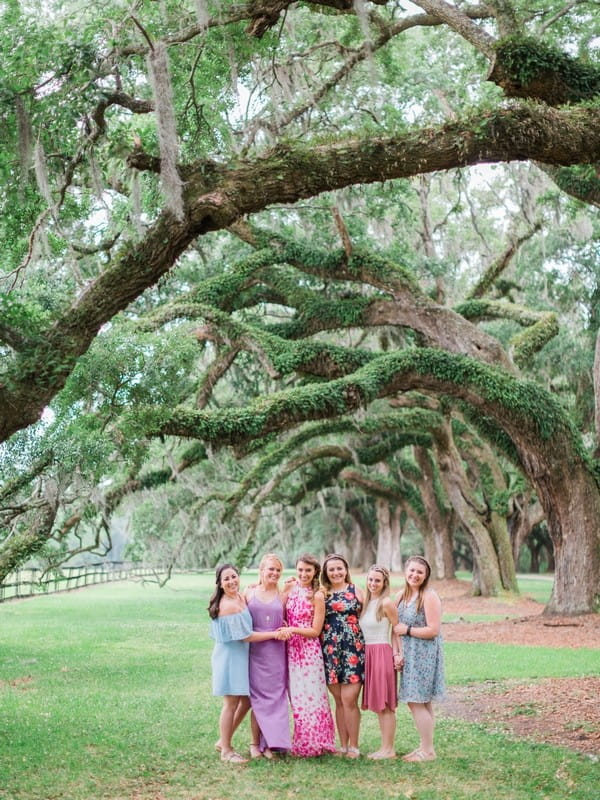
x=314 y=732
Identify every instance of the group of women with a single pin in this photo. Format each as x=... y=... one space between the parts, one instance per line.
x=321 y=632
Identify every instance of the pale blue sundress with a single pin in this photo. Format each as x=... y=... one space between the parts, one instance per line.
x=230 y=653
x=422 y=678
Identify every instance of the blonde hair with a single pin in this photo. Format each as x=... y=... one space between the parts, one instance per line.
x=263 y=563
x=407 y=590
x=379 y=612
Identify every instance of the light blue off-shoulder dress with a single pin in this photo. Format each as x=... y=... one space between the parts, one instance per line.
x=230 y=653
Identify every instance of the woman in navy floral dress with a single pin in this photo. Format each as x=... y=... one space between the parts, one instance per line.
x=343 y=649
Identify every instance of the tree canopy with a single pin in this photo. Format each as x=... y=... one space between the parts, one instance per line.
x=258 y=250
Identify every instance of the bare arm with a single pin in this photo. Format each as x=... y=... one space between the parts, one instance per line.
x=262 y=636
x=317 y=620
x=433 y=614
x=391 y=612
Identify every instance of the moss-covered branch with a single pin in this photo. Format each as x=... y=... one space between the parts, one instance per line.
x=540 y=327
x=524 y=410
x=530 y=68
x=500 y=264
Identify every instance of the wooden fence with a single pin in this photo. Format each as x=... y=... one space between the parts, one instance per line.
x=29 y=582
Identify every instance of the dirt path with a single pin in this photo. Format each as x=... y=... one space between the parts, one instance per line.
x=559 y=711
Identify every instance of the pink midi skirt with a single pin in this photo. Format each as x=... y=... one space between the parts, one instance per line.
x=380 y=686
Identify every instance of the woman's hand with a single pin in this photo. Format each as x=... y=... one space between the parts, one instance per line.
x=398 y=661
x=401 y=629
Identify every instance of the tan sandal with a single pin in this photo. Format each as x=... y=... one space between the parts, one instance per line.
x=255 y=750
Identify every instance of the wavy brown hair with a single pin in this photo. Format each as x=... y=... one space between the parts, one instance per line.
x=307 y=558
x=213 y=603
x=324 y=579
x=407 y=591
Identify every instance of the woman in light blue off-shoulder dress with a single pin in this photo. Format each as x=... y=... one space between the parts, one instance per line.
x=231 y=628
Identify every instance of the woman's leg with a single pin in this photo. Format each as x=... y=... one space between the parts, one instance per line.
x=241 y=710
x=425 y=724
x=254 y=729
x=387 y=726
x=230 y=703
x=349 y=696
x=340 y=718
x=242 y=705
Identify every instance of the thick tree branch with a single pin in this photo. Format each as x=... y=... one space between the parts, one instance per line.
x=461 y=23
x=286 y=174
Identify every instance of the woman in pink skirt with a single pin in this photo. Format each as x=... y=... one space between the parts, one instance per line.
x=382 y=650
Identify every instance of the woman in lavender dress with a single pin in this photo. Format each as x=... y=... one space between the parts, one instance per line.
x=268 y=664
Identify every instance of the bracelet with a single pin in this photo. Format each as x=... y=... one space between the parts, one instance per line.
x=408 y=630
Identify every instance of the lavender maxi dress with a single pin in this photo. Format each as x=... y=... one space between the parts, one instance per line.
x=269 y=677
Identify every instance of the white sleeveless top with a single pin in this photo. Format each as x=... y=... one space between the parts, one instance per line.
x=375 y=632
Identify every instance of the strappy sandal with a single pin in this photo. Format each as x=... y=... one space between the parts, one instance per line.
x=353 y=752
x=233 y=758
x=255 y=750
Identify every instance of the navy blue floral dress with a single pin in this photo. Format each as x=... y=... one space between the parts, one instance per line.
x=342 y=638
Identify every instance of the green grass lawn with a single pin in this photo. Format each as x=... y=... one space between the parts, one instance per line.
x=105 y=693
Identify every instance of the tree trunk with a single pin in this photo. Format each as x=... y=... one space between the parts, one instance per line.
x=438 y=547
x=596 y=377
x=360 y=549
x=524 y=517
x=486 y=571
x=385 y=540
x=396 y=538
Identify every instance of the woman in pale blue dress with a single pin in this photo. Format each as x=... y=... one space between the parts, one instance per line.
x=231 y=628
x=422 y=662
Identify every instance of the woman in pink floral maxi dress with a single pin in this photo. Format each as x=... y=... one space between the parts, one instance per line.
x=314 y=731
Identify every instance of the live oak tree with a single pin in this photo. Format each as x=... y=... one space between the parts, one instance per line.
x=148 y=147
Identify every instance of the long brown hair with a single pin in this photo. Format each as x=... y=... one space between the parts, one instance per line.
x=313 y=561
x=379 y=613
x=213 y=603
x=325 y=579
x=407 y=590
